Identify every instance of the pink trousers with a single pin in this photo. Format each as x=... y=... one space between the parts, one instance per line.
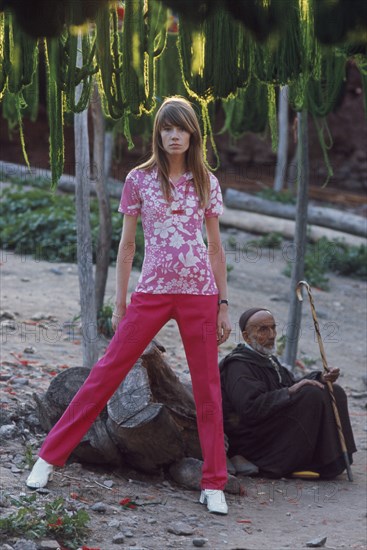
x=145 y=316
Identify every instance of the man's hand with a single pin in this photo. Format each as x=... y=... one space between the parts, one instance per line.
x=331 y=376
x=305 y=382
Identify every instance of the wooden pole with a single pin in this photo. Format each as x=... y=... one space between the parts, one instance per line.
x=281 y=167
x=84 y=234
x=105 y=221
x=300 y=240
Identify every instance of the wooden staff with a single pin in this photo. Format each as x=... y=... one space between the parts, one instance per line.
x=326 y=369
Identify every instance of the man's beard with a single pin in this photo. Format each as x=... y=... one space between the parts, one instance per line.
x=261 y=349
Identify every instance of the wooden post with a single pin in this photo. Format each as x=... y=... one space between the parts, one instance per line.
x=300 y=241
x=84 y=234
x=281 y=167
x=105 y=221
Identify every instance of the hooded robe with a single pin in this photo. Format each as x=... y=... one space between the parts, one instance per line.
x=279 y=432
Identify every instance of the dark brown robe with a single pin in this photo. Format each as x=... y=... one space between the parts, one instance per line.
x=279 y=432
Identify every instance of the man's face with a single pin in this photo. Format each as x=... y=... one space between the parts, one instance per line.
x=261 y=332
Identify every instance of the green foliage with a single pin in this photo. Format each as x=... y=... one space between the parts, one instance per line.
x=315 y=271
x=350 y=260
x=41 y=182
x=309 y=361
x=281 y=343
x=42 y=224
x=270 y=240
x=285 y=197
x=231 y=243
x=28 y=456
x=69 y=528
x=104 y=317
x=335 y=256
x=55 y=519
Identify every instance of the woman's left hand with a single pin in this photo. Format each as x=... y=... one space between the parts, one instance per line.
x=223 y=324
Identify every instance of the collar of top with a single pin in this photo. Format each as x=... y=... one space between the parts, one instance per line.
x=185 y=177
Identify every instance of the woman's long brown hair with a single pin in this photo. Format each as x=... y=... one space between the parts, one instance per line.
x=179 y=112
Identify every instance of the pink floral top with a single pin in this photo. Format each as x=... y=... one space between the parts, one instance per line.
x=176 y=259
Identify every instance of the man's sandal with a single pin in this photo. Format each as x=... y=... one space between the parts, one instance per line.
x=305 y=474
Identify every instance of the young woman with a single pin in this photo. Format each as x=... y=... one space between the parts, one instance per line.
x=181 y=279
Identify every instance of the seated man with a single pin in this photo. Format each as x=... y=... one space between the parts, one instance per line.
x=280 y=424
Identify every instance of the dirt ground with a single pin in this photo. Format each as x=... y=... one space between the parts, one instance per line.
x=38 y=343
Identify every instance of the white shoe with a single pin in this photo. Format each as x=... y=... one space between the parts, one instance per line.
x=215 y=501
x=41 y=473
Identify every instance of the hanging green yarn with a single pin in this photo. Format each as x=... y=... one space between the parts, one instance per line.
x=221 y=63
x=319 y=94
x=12 y=107
x=16 y=106
x=133 y=69
x=209 y=65
x=322 y=93
x=323 y=133
x=55 y=108
x=134 y=63
x=209 y=57
x=208 y=135
x=21 y=55
x=127 y=66
x=169 y=81
x=109 y=62
x=4 y=53
x=321 y=97
x=31 y=98
x=310 y=66
x=248 y=111
x=297 y=93
x=156 y=41
x=10 y=111
x=217 y=57
x=73 y=75
x=245 y=58
x=279 y=59
x=272 y=116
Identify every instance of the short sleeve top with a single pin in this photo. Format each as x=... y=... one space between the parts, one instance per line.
x=176 y=258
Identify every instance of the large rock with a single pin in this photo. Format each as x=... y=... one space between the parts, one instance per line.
x=188 y=472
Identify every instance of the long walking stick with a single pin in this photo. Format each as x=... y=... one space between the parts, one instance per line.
x=326 y=369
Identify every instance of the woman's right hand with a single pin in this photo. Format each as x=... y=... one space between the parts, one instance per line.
x=117 y=315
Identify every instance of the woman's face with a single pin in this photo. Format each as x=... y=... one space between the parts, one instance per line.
x=175 y=139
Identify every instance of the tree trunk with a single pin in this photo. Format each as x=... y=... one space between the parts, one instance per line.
x=105 y=220
x=300 y=239
x=317 y=215
x=149 y=422
x=84 y=235
x=108 y=150
x=292 y=173
x=97 y=445
x=261 y=224
x=281 y=167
